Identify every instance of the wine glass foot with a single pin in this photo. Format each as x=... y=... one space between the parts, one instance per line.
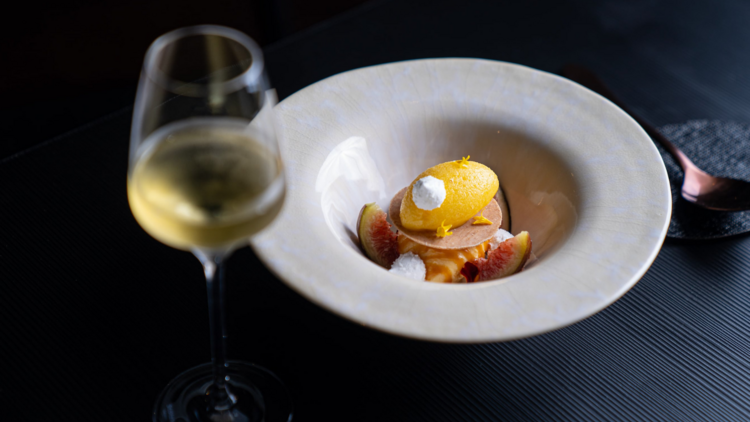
x=255 y=395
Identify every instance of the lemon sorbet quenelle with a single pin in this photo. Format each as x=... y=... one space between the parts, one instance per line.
x=446 y=228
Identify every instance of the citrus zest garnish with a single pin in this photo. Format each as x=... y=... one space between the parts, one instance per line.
x=442 y=231
x=464 y=162
x=481 y=219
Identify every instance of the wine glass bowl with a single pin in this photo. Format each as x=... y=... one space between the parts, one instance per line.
x=204 y=176
x=204 y=171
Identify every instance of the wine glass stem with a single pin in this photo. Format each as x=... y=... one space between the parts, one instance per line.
x=214 y=270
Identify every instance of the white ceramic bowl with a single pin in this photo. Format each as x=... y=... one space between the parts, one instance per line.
x=579 y=174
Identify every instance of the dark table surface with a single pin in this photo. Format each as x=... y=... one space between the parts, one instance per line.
x=97 y=316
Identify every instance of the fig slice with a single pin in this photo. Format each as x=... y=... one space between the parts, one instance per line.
x=376 y=238
x=507 y=259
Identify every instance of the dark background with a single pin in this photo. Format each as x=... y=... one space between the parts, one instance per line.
x=58 y=55
x=96 y=316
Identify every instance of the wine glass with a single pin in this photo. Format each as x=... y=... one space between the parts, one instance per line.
x=204 y=175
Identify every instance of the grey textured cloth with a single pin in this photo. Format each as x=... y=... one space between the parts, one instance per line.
x=719 y=148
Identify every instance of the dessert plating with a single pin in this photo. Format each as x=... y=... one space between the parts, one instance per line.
x=447 y=228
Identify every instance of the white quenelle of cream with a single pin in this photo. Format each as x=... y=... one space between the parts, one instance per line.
x=409 y=265
x=428 y=193
x=499 y=237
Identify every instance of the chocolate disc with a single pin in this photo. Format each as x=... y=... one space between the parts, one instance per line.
x=465 y=236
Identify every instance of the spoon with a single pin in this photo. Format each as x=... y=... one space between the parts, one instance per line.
x=698 y=187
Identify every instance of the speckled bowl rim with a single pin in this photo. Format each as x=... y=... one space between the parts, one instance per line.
x=376 y=299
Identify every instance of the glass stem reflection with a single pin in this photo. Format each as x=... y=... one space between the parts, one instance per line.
x=213 y=266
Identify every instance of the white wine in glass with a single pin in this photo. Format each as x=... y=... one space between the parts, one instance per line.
x=204 y=176
x=205 y=182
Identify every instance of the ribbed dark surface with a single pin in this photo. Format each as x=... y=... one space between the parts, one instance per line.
x=97 y=317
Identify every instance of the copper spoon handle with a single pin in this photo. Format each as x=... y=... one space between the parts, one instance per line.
x=588 y=79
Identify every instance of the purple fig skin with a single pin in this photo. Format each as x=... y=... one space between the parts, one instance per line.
x=477 y=270
x=359 y=224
